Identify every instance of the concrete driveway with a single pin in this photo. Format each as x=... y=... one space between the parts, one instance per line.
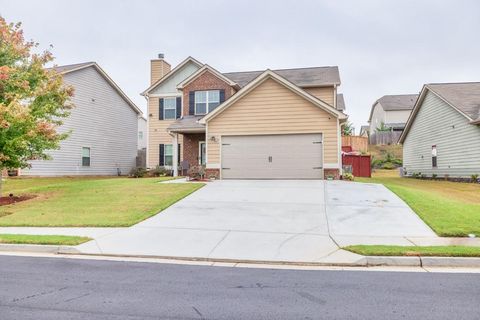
x=293 y=221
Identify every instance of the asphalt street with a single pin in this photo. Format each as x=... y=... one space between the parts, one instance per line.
x=62 y=288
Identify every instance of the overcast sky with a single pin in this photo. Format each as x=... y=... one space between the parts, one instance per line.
x=381 y=47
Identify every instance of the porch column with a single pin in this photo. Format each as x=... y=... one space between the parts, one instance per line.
x=175 y=155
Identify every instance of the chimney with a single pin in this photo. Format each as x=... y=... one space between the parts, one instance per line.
x=158 y=68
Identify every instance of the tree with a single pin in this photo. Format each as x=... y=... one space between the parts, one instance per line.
x=383 y=128
x=33 y=100
x=348 y=129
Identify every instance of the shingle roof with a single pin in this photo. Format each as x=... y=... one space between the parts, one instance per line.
x=70 y=67
x=398 y=102
x=301 y=77
x=463 y=96
x=187 y=123
x=340 y=102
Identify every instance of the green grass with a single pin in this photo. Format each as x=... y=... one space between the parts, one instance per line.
x=434 y=251
x=451 y=209
x=36 y=239
x=89 y=201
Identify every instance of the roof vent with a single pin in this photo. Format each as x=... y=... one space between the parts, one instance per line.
x=161 y=56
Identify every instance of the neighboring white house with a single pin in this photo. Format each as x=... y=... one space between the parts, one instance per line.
x=142 y=133
x=442 y=135
x=391 y=112
x=103 y=128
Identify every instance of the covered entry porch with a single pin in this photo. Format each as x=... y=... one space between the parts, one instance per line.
x=193 y=150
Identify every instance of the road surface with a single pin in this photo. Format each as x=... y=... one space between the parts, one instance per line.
x=61 y=288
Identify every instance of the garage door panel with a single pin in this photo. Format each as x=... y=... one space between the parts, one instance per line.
x=294 y=156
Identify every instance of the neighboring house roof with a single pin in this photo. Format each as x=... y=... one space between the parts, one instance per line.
x=269 y=74
x=364 y=129
x=79 y=66
x=172 y=72
x=395 y=125
x=203 y=69
x=464 y=97
x=340 y=102
x=187 y=123
x=397 y=102
x=301 y=77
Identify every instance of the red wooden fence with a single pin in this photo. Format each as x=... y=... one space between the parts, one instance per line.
x=360 y=164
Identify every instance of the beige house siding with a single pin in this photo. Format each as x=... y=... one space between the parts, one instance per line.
x=325 y=94
x=158 y=68
x=157 y=133
x=271 y=108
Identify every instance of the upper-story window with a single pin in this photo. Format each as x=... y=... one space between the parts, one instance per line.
x=169 y=108
x=206 y=101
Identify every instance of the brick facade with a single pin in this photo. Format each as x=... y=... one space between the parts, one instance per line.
x=205 y=81
x=212 y=173
x=190 y=147
x=332 y=172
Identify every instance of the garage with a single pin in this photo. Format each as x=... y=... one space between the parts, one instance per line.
x=283 y=156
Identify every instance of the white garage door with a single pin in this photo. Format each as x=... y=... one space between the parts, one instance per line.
x=293 y=156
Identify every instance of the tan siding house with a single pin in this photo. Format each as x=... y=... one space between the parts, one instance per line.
x=281 y=124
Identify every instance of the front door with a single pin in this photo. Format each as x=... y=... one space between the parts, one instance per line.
x=201 y=153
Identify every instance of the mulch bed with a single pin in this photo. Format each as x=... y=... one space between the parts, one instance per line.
x=14 y=199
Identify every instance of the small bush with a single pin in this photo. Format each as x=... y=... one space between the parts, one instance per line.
x=474 y=178
x=348 y=177
x=434 y=176
x=388 y=166
x=138 y=172
x=159 y=171
x=196 y=172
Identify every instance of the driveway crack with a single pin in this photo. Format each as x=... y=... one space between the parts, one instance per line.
x=218 y=243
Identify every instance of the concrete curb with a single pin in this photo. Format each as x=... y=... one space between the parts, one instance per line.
x=39 y=248
x=367 y=261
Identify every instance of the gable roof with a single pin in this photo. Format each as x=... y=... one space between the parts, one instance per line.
x=79 y=66
x=464 y=97
x=301 y=77
x=269 y=74
x=396 y=102
x=200 y=71
x=340 y=102
x=172 y=72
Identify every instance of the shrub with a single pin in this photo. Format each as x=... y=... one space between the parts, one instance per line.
x=474 y=178
x=348 y=177
x=159 y=171
x=434 y=176
x=388 y=166
x=196 y=172
x=138 y=172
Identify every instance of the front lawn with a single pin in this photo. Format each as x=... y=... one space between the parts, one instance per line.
x=42 y=239
x=434 y=251
x=451 y=209
x=89 y=201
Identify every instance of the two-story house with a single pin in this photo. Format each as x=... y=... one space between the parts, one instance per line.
x=280 y=124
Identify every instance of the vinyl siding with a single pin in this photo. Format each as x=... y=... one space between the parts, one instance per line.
x=169 y=86
x=271 y=108
x=142 y=127
x=439 y=124
x=101 y=120
x=325 y=94
x=398 y=116
x=157 y=133
x=378 y=116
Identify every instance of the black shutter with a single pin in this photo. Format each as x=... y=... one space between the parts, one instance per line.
x=191 y=103
x=161 y=159
x=160 y=109
x=179 y=107
x=178 y=153
x=222 y=96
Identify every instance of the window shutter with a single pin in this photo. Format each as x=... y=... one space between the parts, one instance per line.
x=179 y=153
x=179 y=107
x=160 y=109
x=161 y=155
x=191 y=103
x=222 y=96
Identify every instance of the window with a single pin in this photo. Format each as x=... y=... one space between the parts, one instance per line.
x=169 y=108
x=434 y=156
x=206 y=101
x=168 y=155
x=140 y=135
x=85 y=157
